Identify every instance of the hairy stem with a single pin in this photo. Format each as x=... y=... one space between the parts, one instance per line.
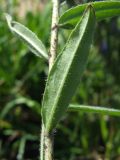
x=42 y=143
x=48 y=147
x=46 y=152
x=54 y=32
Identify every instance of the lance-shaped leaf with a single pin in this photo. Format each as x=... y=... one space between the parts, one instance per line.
x=94 y=109
x=103 y=9
x=28 y=37
x=67 y=70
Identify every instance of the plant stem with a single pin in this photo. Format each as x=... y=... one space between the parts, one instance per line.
x=46 y=138
x=54 y=32
x=48 y=147
x=42 y=143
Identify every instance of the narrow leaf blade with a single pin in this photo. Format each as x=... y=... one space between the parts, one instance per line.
x=67 y=70
x=94 y=109
x=28 y=37
x=103 y=10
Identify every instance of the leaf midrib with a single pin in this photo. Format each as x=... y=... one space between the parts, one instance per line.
x=29 y=41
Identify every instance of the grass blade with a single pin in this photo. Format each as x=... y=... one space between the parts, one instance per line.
x=21 y=100
x=21 y=150
x=67 y=70
x=94 y=109
x=28 y=37
x=103 y=9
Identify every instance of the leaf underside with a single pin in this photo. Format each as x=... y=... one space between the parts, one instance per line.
x=103 y=10
x=67 y=70
x=28 y=37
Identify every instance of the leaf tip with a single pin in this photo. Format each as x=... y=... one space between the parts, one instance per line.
x=90 y=7
x=9 y=19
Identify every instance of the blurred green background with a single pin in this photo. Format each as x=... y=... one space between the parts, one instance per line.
x=79 y=136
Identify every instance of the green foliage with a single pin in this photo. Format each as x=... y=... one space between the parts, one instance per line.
x=94 y=109
x=20 y=76
x=30 y=103
x=27 y=36
x=103 y=9
x=22 y=81
x=71 y=61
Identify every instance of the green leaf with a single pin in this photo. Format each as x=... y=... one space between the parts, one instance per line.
x=103 y=9
x=94 y=109
x=67 y=70
x=28 y=37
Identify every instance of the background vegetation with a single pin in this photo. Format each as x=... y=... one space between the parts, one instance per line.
x=22 y=81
